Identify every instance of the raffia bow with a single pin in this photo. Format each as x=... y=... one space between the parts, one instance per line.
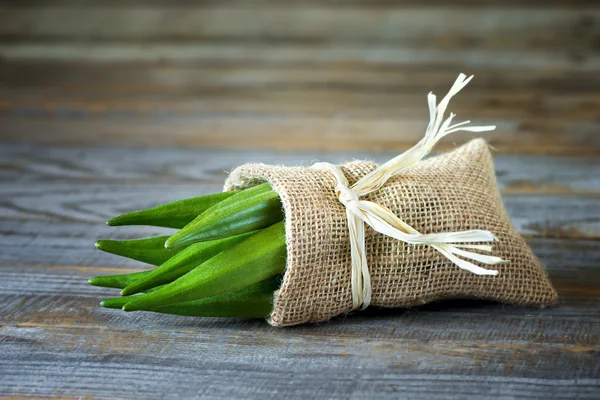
x=382 y=220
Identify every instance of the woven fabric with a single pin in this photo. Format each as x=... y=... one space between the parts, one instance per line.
x=456 y=191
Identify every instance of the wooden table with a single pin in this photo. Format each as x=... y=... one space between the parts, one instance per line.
x=115 y=106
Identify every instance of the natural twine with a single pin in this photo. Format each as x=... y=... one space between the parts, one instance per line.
x=381 y=219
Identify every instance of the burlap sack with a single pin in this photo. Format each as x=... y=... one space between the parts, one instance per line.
x=453 y=192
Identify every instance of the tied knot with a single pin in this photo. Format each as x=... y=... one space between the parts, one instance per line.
x=450 y=244
x=345 y=194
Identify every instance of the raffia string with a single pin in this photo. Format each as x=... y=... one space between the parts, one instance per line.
x=381 y=219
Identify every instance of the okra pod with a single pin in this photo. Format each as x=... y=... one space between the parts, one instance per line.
x=254 y=301
x=176 y=214
x=248 y=210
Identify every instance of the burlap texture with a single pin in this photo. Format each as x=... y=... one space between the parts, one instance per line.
x=453 y=192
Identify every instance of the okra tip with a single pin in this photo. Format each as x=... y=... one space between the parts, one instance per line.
x=171 y=243
x=119 y=220
x=115 y=303
x=135 y=305
x=101 y=244
x=178 y=240
x=111 y=222
x=168 y=245
x=127 y=292
x=98 y=281
x=107 y=245
x=129 y=307
x=124 y=219
x=130 y=290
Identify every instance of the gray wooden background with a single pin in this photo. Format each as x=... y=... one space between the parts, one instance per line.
x=108 y=106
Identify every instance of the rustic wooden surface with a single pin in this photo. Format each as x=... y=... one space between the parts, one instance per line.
x=108 y=106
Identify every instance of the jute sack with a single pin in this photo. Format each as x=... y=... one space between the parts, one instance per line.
x=456 y=191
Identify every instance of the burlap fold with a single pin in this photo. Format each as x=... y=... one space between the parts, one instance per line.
x=456 y=191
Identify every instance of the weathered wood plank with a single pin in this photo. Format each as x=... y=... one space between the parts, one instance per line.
x=331 y=107
x=293 y=133
x=79 y=77
x=458 y=323
x=469 y=37
x=25 y=163
x=301 y=21
x=361 y=92
x=491 y=28
x=366 y=4
x=66 y=344
x=586 y=59
x=293 y=108
x=197 y=378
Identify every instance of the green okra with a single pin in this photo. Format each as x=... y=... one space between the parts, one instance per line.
x=180 y=264
x=119 y=302
x=248 y=210
x=150 y=250
x=114 y=302
x=117 y=281
x=254 y=301
x=260 y=256
x=176 y=214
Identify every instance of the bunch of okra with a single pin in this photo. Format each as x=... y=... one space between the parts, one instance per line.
x=225 y=261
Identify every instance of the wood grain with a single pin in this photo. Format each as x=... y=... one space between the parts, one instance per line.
x=301 y=21
x=289 y=108
x=289 y=76
x=297 y=32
